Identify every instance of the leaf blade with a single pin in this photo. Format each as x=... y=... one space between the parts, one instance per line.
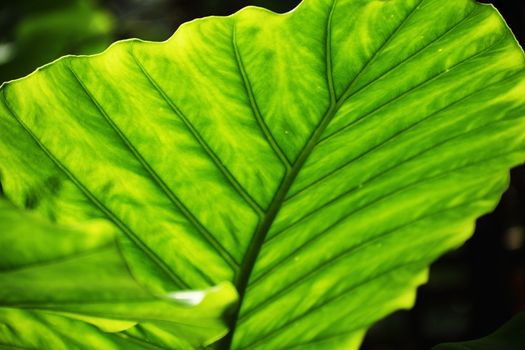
x=393 y=134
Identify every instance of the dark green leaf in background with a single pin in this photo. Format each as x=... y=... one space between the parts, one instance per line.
x=511 y=336
x=320 y=160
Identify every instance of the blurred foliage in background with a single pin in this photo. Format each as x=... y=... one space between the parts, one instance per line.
x=36 y=32
x=471 y=291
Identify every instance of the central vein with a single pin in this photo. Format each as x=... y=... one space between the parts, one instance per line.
x=242 y=279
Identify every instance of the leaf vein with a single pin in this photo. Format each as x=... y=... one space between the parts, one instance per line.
x=330 y=300
x=200 y=140
x=175 y=200
x=448 y=31
x=96 y=202
x=288 y=288
x=384 y=143
x=389 y=102
x=262 y=229
x=255 y=108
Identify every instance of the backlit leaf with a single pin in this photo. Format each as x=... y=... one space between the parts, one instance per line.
x=320 y=159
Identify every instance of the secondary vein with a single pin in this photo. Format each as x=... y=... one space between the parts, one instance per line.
x=255 y=108
x=96 y=202
x=203 y=231
x=200 y=140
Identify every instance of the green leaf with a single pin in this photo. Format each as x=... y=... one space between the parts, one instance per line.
x=320 y=159
x=510 y=336
x=26 y=329
x=84 y=277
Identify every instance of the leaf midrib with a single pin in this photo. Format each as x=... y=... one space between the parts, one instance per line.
x=384 y=142
x=258 y=238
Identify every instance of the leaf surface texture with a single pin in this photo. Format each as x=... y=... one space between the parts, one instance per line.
x=320 y=159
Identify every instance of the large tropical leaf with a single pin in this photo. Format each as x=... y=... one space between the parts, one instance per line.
x=84 y=277
x=319 y=159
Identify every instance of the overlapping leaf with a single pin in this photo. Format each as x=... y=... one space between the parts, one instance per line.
x=319 y=159
x=54 y=277
x=510 y=336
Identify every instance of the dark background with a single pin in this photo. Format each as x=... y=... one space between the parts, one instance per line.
x=471 y=291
